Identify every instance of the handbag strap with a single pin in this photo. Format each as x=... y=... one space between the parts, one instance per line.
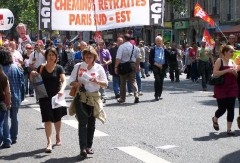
x=41 y=68
x=132 y=53
x=221 y=67
x=77 y=72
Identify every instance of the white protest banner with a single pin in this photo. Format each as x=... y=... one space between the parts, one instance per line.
x=6 y=19
x=98 y=15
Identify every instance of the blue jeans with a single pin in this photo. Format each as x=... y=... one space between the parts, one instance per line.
x=6 y=131
x=116 y=84
x=14 y=125
x=139 y=83
x=28 y=88
x=2 y=115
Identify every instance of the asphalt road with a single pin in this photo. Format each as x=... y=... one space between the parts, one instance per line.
x=176 y=129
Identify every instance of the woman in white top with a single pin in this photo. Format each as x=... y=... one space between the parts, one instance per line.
x=90 y=77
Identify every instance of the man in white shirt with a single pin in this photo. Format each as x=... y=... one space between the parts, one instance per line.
x=128 y=53
x=16 y=55
x=37 y=57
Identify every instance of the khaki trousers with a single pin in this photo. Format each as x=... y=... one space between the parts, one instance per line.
x=123 y=81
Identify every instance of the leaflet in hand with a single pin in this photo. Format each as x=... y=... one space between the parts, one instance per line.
x=86 y=77
x=58 y=101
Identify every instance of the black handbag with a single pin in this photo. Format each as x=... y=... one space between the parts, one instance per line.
x=217 y=80
x=126 y=67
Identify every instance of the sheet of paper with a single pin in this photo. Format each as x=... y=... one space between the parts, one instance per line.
x=58 y=101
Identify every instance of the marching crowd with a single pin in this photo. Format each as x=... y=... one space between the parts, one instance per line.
x=90 y=65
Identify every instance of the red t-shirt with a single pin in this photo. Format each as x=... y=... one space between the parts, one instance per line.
x=193 y=53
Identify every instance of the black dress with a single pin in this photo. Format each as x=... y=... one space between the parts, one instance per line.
x=53 y=85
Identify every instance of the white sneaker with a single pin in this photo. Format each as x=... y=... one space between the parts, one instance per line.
x=140 y=93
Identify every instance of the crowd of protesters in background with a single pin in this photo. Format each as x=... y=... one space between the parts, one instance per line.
x=194 y=59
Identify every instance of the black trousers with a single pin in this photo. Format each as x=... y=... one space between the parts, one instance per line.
x=226 y=104
x=173 y=67
x=86 y=125
x=159 y=75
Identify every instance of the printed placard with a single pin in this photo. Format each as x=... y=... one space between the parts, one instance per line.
x=98 y=15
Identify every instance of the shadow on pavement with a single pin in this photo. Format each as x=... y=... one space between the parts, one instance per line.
x=35 y=154
x=66 y=159
x=215 y=136
x=231 y=157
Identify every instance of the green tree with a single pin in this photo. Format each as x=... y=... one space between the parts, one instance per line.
x=178 y=5
x=24 y=11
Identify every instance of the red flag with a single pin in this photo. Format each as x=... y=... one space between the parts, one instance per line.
x=199 y=12
x=208 y=39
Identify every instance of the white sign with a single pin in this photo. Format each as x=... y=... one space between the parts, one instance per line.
x=98 y=15
x=6 y=19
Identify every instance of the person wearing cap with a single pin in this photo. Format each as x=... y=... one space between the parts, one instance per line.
x=128 y=53
x=27 y=70
x=37 y=57
x=205 y=55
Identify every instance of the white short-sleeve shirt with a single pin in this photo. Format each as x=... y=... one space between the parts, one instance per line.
x=40 y=59
x=124 y=52
x=96 y=71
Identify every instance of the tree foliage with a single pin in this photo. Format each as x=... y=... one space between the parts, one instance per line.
x=178 y=5
x=24 y=11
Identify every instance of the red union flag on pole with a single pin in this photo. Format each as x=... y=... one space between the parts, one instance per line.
x=199 y=12
x=210 y=43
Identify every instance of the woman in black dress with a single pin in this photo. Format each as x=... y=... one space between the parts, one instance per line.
x=54 y=79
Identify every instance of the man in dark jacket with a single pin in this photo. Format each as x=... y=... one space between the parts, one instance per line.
x=173 y=63
x=116 y=78
x=158 y=62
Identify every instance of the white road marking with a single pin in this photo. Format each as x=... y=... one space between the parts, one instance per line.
x=142 y=155
x=167 y=146
x=74 y=124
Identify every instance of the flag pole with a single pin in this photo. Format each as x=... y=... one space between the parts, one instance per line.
x=94 y=7
x=221 y=32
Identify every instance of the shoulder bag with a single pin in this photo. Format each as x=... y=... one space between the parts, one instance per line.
x=217 y=80
x=73 y=90
x=38 y=85
x=125 y=68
